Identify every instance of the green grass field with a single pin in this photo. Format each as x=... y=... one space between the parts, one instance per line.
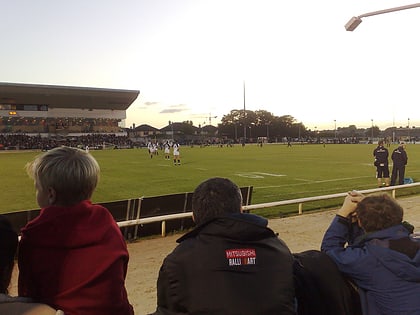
x=275 y=171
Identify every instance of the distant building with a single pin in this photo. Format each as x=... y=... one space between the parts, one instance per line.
x=209 y=130
x=144 y=131
x=142 y=134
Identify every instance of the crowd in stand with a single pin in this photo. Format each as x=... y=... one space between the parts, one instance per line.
x=26 y=142
x=52 y=124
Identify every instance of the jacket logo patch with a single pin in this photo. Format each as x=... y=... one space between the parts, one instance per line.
x=241 y=256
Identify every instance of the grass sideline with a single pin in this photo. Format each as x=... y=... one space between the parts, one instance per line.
x=276 y=172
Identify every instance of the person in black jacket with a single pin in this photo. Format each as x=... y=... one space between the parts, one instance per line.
x=381 y=162
x=399 y=159
x=231 y=263
x=16 y=305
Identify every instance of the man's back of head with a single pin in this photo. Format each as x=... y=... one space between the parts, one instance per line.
x=215 y=197
x=378 y=212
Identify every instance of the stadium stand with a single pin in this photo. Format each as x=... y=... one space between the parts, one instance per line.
x=62 y=110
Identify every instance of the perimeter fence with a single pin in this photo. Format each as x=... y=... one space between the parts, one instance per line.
x=146 y=216
x=140 y=217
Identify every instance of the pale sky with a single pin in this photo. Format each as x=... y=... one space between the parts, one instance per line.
x=190 y=58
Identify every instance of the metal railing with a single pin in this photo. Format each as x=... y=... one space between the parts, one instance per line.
x=299 y=201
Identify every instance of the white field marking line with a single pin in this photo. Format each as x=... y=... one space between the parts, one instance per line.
x=268 y=174
x=164 y=165
x=202 y=169
x=249 y=175
x=319 y=181
x=257 y=174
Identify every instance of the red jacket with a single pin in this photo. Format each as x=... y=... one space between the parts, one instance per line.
x=75 y=259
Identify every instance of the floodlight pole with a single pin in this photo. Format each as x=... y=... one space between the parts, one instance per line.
x=372 y=129
x=335 y=129
x=356 y=20
x=244 y=116
x=408 y=128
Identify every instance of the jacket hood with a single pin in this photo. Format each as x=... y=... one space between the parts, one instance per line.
x=76 y=226
x=398 y=263
x=233 y=227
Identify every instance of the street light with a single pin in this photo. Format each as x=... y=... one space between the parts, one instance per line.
x=335 y=129
x=372 y=130
x=244 y=116
x=408 y=130
x=356 y=20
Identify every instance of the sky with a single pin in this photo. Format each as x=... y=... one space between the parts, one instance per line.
x=190 y=59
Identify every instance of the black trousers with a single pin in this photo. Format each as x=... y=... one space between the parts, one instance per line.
x=398 y=171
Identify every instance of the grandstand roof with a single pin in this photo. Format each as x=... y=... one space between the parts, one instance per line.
x=66 y=96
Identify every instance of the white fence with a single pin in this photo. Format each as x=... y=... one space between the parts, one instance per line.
x=299 y=202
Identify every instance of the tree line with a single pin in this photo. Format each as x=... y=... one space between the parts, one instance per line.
x=261 y=123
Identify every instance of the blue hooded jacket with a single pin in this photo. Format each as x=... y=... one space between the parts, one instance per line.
x=384 y=264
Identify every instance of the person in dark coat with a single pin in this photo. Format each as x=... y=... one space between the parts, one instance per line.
x=399 y=159
x=15 y=305
x=384 y=260
x=321 y=288
x=231 y=263
x=381 y=162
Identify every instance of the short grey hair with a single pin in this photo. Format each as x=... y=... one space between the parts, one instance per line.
x=71 y=172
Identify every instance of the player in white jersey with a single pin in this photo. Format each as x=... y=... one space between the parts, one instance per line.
x=167 y=150
x=151 y=149
x=177 y=156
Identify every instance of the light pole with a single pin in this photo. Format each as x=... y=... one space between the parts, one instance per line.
x=250 y=131
x=408 y=130
x=335 y=129
x=372 y=129
x=356 y=20
x=244 y=116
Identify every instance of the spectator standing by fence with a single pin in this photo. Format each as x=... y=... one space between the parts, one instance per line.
x=73 y=255
x=231 y=263
x=381 y=162
x=399 y=161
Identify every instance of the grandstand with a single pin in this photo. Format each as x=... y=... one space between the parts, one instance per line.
x=50 y=110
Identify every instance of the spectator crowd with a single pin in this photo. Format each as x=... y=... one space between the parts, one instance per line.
x=93 y=141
